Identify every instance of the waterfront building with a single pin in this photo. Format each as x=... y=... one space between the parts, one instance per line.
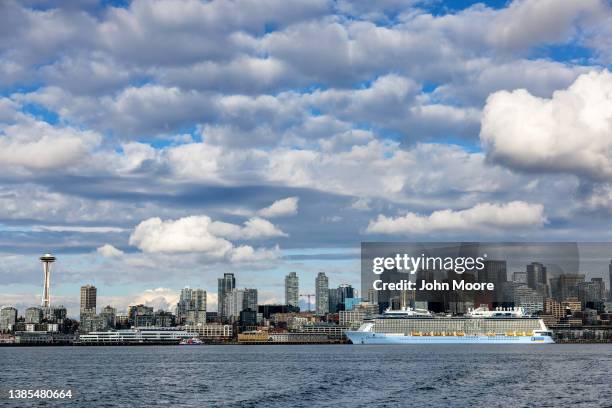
x=292 y=289
x=253 y=336
x=298 y=338
x=322 y=294
x=352 y=318
x=8 y=319
x=88 y=299
x=33 y=315
x=210 y=331
x=333 y=331
x=226 y=285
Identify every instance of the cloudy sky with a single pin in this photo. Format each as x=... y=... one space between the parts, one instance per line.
x=156 y=144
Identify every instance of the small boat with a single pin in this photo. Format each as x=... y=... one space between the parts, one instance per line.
x=190 y=342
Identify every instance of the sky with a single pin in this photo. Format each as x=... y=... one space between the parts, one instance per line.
x=152 y=145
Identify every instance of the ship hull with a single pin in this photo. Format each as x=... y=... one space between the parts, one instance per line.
x=359 y=337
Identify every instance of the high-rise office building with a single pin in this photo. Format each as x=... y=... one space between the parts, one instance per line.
x=226 y=284
x=338 y=296
x=88 y=299
x=8 y=319
x=238 y=300
x=191 y=308
x=292 y=289
x=322 y=294
x=610 y=281
x=494 y=271
x=537 y=278
x=565 y=286
x=519 y=277
x=250 y=299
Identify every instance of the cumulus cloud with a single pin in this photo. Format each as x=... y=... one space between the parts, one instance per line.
x=281 y=208
x=570 y=132
x=109 y=251
x=484 y=216
x=253 y=228
x=203 y=235
x=158 y=298
x=37 y=145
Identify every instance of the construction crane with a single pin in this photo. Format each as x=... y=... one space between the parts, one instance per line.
x=308 y=295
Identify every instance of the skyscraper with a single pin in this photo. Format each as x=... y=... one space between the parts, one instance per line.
x=250 y=299
x=226 y=284
x=537 y=277
x=191 y=307
x=322 y=294
x=238 y=300
x=610 y=281
x=292 y=290
x=88 y=299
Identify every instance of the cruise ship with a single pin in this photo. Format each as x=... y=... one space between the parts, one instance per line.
x=478 y=326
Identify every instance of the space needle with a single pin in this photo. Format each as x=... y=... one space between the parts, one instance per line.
x=47 y=260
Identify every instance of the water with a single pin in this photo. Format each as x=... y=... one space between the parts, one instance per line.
x=313 y=376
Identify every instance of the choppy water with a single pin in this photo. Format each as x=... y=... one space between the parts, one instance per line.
x=312 y=376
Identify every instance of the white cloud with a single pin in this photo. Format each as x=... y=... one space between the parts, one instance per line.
x=361 y=204
x=570 y=132
x=189 y=234
x=281 y=208
x=159 y=298
x=38 y=145
x=484 y=216
x=202 y=235
x=254 y=228
x=528 y=22
x=109 y=251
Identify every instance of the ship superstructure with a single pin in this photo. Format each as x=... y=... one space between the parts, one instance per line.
x=481 y=325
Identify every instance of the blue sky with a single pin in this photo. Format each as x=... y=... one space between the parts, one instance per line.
x=153 y=145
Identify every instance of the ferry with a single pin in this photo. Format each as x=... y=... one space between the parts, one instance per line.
x=190 y=342
x=478 y=326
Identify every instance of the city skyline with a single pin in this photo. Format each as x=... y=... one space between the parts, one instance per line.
x=534 y=276
x=239 y=143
